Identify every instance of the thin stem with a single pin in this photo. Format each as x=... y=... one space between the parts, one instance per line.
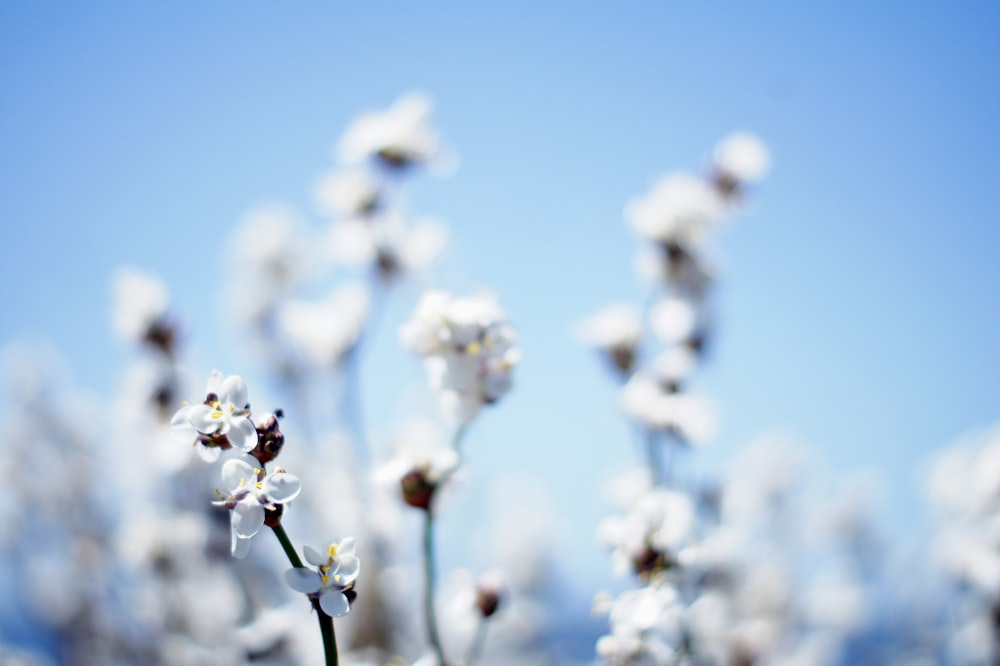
x=325 y=621
x=286 y=545
x=476 y=647
x=653 y=457
x=432 y=629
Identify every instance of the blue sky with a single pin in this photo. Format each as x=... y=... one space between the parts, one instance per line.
x=856 y=308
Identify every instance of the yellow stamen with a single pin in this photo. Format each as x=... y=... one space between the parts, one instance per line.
x=332 y=551
x=216 y=415
x=473 y=347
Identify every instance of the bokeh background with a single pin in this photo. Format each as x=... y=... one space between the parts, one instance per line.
x=855 y=309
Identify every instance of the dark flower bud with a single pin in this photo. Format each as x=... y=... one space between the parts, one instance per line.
x=272 y=515
x=488 y=597
x=270 y=439
x=418 y=490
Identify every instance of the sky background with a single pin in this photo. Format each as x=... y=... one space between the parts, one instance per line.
x=856 y=309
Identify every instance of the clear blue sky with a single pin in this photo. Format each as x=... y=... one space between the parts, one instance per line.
x=858 y=305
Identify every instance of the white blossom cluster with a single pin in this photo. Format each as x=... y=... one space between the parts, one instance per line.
x=469 y=350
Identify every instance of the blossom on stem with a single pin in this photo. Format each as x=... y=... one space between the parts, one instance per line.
x=336 y=570
x=469 y=347
x=616 y=332
x=252 y=493
x=221 y=422
x=397 y=137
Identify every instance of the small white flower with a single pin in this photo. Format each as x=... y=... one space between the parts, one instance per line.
x=323 y=332
x=251 y=492
x=398 y=136
x=680 y=209
x=469 y=349
x=140 y=303
x=387 y=243
x=742 y=157
x=347 y=192
x=337 y=568
x=221 y=421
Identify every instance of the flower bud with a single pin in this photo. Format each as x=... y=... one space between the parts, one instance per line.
x=270 y=439
x=418 y=490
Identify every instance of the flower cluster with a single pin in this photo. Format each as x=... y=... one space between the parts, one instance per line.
x=469 y=350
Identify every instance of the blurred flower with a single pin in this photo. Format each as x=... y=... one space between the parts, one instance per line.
x=348 y=192
x=251 y=493
x=615 y=331
x=221 y=421
x=140 y=308
x=680 y=209
x=324 y=331
x=422 y=459
x=398 y=136
x=387 y=243
x=648 y=538
x=337 y=569
x=645 y=626
x=741 y=157
x=656 y=405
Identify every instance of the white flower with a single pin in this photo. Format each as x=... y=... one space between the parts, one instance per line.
x=221 y=421
x=324 y=331
x=674 y=319
x=140 y=303
x=646 y=621
x=680 y=209
x=337 y=569
x=653 y=532
x=469 y=349
x=653 y=402
x=347 y=192
x=399 y=136
x=742 y=157
x=251 y=491
x=387 y=243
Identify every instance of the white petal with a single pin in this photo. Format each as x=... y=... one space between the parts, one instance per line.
x=181 y=417
x=209 y=454
x=247 y=517
x=240 y=547
x=214 y=382
x=234 y=390
x=236 y=474
x=243 y=434
x=347 y=568
x=205 y=419
x=314 y=557
x=346 y=546
x=334 y=603
x=281 y=487
x=303 y=580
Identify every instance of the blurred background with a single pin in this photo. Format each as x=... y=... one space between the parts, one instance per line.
x=853 y=312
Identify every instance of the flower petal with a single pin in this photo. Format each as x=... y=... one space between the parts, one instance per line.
x=205 y=419
x=303 y=580
x=346 y=546
x=243 y=434
x=334 y=603
x=282 y=487
x=209 y=453
x=347 y=569
x=313 y=556
x=247 y=517
x=234 y=390
x=240 y=547
x=237 y=474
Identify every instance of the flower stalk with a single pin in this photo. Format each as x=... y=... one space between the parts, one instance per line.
x=325 y=621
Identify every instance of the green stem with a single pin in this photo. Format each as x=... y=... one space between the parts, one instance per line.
x=476 y=647
x=432 y=629
x=325 y=621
